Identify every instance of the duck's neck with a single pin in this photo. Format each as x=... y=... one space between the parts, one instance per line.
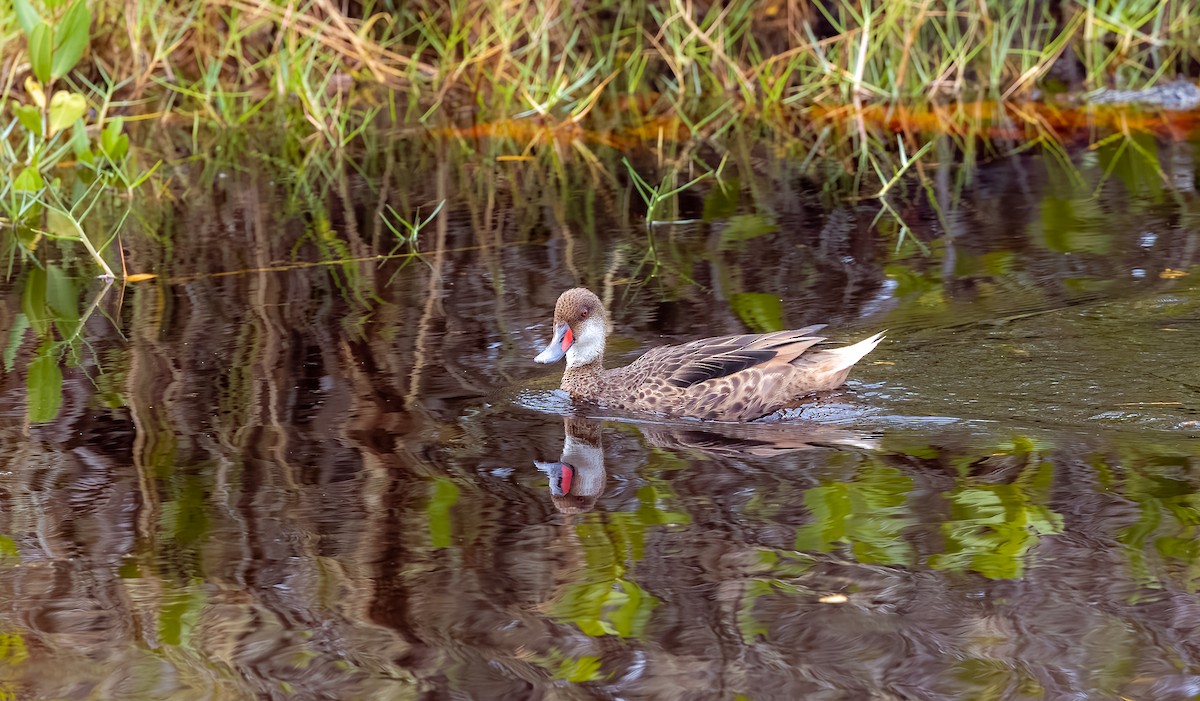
x=585 y=359
x=579 y=379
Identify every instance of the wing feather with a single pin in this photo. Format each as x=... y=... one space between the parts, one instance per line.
x=711 y=358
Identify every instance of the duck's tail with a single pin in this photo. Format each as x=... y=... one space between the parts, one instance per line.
x=838 y=359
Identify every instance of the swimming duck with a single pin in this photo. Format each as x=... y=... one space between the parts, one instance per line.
x=729 y=378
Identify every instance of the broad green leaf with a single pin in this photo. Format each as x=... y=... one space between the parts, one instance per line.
x=27 y=17
x=33 y=301
x=30 y=117
x=62 y=299
x=71 y=38
x=80 y=143
x=118 y=151
x=760 y=311
x=29 y=180
x=41 y=46
x=65 y=109
x=44 y=386
x=113 y=143
x=15 y=335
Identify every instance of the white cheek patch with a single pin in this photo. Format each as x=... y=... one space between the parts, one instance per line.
x=589 y=343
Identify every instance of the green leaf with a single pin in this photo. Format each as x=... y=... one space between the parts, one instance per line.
x=33 y=301
x=80 y=143
x=120 y=148
x=113 y=143
x=30 y=117
x=44 y=382
x=868 y=514
x=71 y=38
x=65 y=109
x=62 y=298
x=760 y=311
x=27 y=17
x=40 y=49
x=29 y=180
x=15 y=335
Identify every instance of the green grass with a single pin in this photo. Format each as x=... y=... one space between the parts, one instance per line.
x=228 y=60
x=328 y=80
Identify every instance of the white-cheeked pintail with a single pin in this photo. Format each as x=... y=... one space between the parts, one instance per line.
x=730 y=378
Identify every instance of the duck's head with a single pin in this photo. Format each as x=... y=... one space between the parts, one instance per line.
x=579 y=329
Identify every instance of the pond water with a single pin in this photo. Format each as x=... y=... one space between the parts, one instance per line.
x=251 y=478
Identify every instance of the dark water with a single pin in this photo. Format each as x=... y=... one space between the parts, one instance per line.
x=320 y=482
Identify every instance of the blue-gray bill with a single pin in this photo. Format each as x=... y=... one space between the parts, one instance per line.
x=563 y=338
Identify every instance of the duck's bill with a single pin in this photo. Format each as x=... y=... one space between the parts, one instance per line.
x=561 y=476
x=558 y=345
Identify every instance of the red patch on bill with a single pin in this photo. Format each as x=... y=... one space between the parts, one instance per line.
x=568 y=339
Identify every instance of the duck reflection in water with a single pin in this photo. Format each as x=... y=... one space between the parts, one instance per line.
x=578 y=478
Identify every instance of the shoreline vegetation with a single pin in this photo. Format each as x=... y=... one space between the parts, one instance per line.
x=76 y=76
x=230 y=59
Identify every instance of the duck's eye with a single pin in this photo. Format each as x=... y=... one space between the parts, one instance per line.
x=584 y=312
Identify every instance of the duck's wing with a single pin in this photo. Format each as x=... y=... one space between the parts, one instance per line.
x=689 y=364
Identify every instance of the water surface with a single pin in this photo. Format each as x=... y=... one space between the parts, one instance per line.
x=251 y=479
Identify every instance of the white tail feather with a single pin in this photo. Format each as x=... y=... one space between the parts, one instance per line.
x=839 y=359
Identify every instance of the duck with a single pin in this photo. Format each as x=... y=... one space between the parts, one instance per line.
x=736 y=378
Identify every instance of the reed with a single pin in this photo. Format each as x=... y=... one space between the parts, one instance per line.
x=644 y=72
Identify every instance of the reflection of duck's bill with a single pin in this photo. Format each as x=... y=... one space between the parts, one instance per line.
x=559 y=345
x=561 y=476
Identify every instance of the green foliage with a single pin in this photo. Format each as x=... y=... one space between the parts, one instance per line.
x=412 y=229
x=55 y=45
x=993 y=529
x=44 y=383
x=577 y=670
x=1166 y=529
x=608 y=602
x=657 y=196
x=179 y=614
x=50 y=317
x=868 y=515
x=994 y=526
